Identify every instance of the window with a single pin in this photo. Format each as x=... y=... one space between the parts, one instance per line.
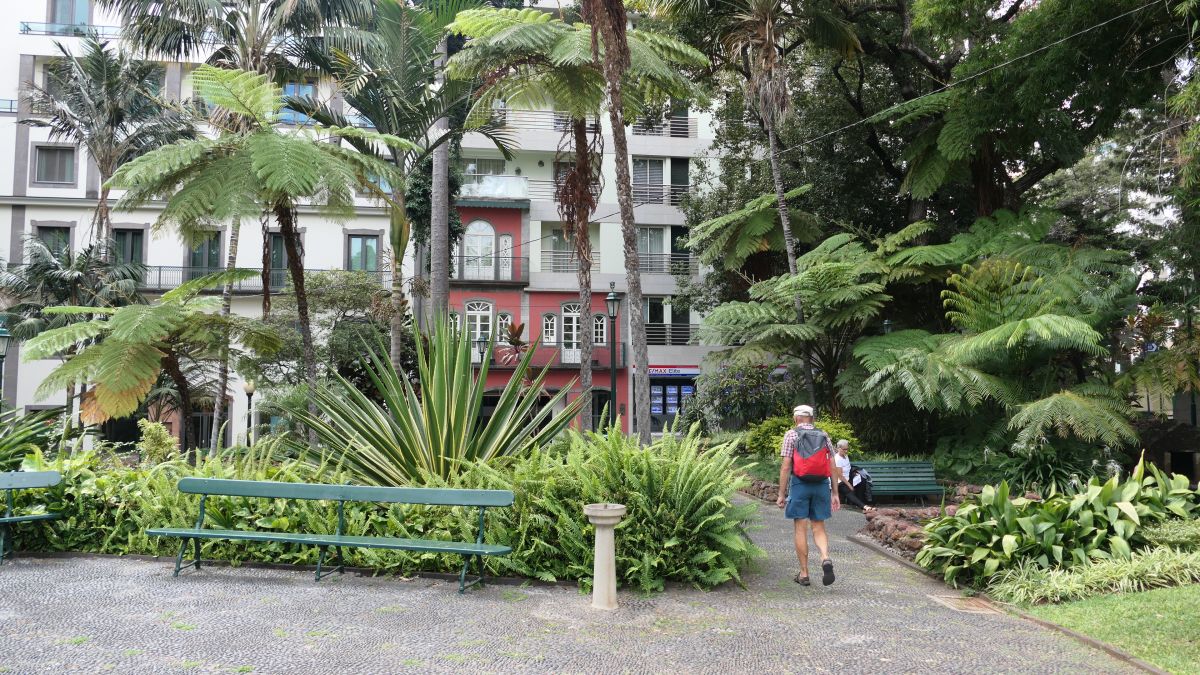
x=479 y=251
x=549 y=329
x=205 y=257
x=479 y=325
x=650 y=240
x=70 y=12
x=363 y=253
x=54 y=165
x=600 y=329
x=654 y=310
x=571 y=327
x=127 y=245
x=478 y=166
x=306 y=88
x=648 y=180
x=57 y=239
x=503 y=323
x=454 y=322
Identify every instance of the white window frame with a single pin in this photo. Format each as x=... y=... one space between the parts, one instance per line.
x=549 y=329
x=600 y=330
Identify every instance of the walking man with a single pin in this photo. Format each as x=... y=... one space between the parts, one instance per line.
x=808 y=478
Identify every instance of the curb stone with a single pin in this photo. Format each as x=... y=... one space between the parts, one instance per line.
x=1113 y=651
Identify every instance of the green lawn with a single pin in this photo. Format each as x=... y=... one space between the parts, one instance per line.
x=1160 y=626
x=767 y=470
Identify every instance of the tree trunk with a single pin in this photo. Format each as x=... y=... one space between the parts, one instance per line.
x=399 y=237
x=789 y=243
x=69 y=410
x=103 y=219
x=175 y=372
x=285 y=215
x=583 y=252
x=439 y=225
x=223 y=366
x=633 y=275
x=265 y=221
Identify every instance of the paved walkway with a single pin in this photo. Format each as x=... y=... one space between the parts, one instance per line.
x=94 y=614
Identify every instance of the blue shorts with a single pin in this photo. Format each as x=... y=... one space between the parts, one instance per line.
x=809 y=501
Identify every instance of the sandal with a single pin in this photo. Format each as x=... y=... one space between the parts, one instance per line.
x=803 y=581
x=827 y=571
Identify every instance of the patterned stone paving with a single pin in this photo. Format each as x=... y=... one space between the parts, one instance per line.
x=104 y=614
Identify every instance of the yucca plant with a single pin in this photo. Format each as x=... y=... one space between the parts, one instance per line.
x=434 y=427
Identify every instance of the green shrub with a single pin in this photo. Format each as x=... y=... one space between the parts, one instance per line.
x=682 y=524
x=1182 y=534
x=22 y=434
x=1029 y=583
x=765 y=438
x=156 y=445
x=992 y=533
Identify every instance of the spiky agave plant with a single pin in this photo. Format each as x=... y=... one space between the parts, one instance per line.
x=433 y=428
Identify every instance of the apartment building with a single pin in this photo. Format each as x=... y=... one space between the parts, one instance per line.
x=512 y=265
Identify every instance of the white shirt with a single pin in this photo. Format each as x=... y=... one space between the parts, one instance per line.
x=843 y=463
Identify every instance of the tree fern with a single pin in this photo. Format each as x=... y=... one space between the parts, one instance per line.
x=1089 y=412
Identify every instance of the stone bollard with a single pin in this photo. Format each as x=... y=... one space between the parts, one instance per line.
x=604 y=572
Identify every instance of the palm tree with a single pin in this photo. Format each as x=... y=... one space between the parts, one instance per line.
x=51 y=278
x=529 y=58
x=253 y=35
x=387 y=83
x=104 y=101
x=132 y=346
x=254 y=166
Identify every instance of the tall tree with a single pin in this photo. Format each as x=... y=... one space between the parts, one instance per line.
x=439 y=221
x=104 y=101
x=53 y=277
x=387 y=82
x=528 y=58
x=256 y=166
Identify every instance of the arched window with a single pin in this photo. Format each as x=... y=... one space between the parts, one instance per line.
x=571 y=326
x=454 y=321
x=479 y=320
x=503 y=321
x=549 y=329
x=600 y=329
x=479 y=251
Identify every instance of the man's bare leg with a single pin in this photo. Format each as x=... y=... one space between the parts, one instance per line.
x=801 y=527
x=820 y=538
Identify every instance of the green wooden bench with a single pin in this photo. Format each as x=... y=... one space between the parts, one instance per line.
x=206 y=487
x=22 y=480
x=902 y=479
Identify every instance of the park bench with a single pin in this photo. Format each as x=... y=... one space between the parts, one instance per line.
x=206 y=487
x=902 y=479
x=22 y=480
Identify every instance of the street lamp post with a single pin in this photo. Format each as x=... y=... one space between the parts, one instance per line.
x=481 y=346
x=613 y=301
x=5 y=339
x=248 y=387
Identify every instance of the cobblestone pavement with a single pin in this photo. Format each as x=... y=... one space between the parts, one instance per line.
x=96 y=614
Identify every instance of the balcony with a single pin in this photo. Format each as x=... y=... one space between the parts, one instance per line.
x=538 y=120
x=487 y=186
x=668 y=263
x=673 y=127
x=565 y=261
x=557 y=356
x=8 y=105
x=490 y=268
x=650 y=193
x=164 y=278
x=671 y=334
x=70 y=29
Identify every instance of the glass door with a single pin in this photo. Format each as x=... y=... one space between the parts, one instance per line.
x=479 y=251
x=205 y=258
x=571 y=349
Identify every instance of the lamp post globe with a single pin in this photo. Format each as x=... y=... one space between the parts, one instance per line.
x=613 y=303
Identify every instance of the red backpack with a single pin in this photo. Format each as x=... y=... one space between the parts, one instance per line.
x=811 y=455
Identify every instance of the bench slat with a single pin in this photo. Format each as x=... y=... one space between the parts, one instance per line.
x=350 y=493
x=21 y=480
x=30 y=517
x=395 y=544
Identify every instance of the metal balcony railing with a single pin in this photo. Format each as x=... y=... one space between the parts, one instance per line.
x=670 y=334
x=542 y=120
x=557 y=356
x=490 y=268
x=650 y=193
x=70 y=29
x=8 y=105
x=565 y=261
x=164 y=278
x=490 y=186
x=672 y=127
x=668 y=263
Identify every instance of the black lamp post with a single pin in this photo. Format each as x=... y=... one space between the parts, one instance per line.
x=248 y=387
x=887 y=326
x=481 y=345
x=613 y=301
x=5 y=340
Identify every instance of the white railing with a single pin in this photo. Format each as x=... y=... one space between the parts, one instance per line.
x=480 y=185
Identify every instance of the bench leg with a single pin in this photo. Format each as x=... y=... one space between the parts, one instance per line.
x=196 y=543
x=179 y=558
x=462 y=577
x=480 y=559
x=320 y=562
x=3 y=542
x=341 y=568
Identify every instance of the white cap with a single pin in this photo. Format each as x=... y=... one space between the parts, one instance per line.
x=802 y=410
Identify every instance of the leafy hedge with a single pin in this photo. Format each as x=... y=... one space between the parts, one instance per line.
x=681 y=525
x=1153 y=568
x=763 y=439
x=1103 y=520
